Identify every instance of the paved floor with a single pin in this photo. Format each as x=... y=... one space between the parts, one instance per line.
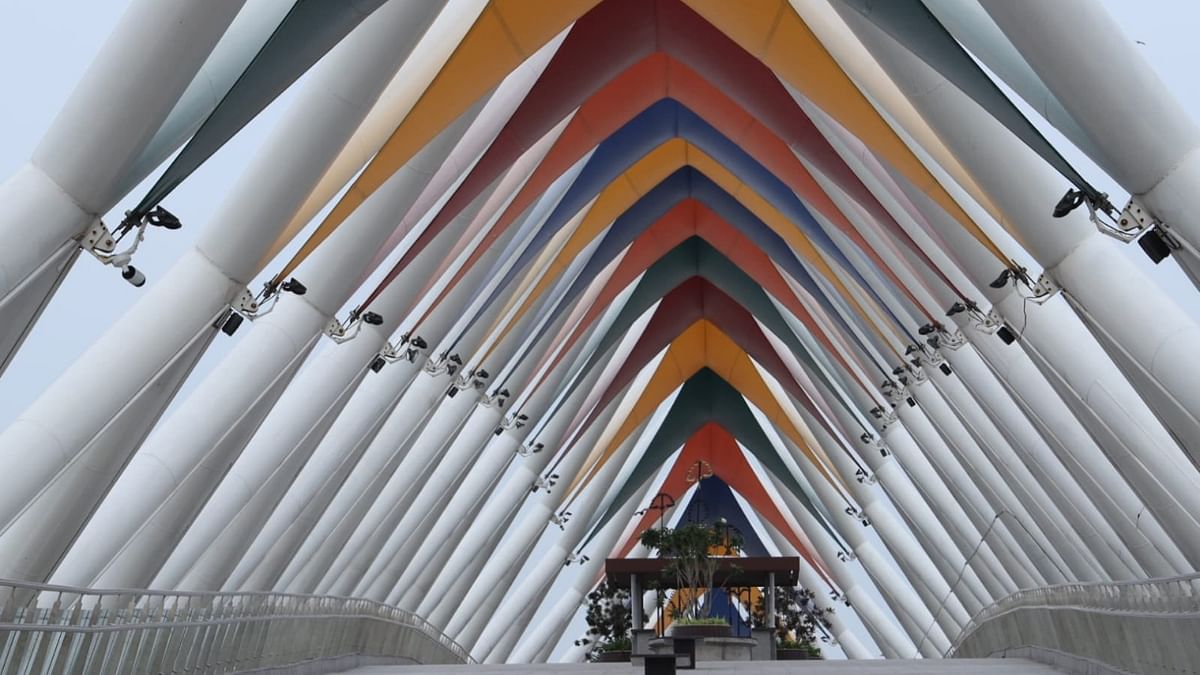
x=934 y=667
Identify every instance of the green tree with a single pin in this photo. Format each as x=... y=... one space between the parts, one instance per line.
x=694 y=552
x=797 y=618
x=609 y=621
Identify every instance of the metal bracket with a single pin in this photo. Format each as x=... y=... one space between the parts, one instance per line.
x=340 y=333
x=246 y=304
x=952 y=341
x=514 y=421
x=1044 y=288
x=540 y=483
x=918 y=374
x=525 y=451
x=988 y=323
x=407 y=351
x=97 y=240
x=1131 y=223
x=1134 y=220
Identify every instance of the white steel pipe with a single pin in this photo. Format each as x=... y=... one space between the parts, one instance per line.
x=85 y=421
x=1141 y=134
x=76 y=172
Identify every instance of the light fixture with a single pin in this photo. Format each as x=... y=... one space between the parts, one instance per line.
x=293 y=286
x=1002 y=280
x=956 y=308
x=163 y=218
x=372 y=319
x=1068 y=203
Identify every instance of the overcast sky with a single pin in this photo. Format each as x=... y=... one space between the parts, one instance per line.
x=45 y=46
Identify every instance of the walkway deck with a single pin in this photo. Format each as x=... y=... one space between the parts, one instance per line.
x=931 y=667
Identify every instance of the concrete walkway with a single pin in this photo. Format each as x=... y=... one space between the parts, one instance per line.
x=918 y=667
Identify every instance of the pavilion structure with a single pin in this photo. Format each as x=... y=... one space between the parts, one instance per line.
x=502 y=271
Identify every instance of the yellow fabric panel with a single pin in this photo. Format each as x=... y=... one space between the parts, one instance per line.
x=672 y=371
x=650 y=170
x=703 y=344
x=612 y=201
x=773 y=32
x=744 y=376
x=505 y=34
x=784 y=227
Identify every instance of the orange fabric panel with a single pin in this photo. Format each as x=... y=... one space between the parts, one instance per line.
x=506 y=33
x=703 y=345
x=660 y=163
x=773 y=32
x=674 y=228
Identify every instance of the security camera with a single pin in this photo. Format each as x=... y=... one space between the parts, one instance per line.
x=133 y=276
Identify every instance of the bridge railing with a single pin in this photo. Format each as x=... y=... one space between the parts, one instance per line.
x=1148 y=626
x=47 y=629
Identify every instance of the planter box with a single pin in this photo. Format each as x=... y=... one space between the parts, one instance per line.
x=614 y=657
x=699 y=630
x=794 y=655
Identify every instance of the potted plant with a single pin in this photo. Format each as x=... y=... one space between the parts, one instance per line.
x=797 y=622
x=609 y=623
x=694 y=552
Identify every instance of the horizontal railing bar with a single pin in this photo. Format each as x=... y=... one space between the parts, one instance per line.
x=119 y=611
x=1147 y=598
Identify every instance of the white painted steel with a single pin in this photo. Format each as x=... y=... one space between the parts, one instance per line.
x=888 y=634
x=1141 y=134
x=95 y=411
x=75 y=173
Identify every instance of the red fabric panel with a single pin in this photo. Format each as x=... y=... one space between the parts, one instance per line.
x=693 y=218
x=716 y=446
x=590 y=58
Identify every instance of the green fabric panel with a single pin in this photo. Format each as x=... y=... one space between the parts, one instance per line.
x=310 y=29
x=707 y=397
x=696 y=257
x=911 y=24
